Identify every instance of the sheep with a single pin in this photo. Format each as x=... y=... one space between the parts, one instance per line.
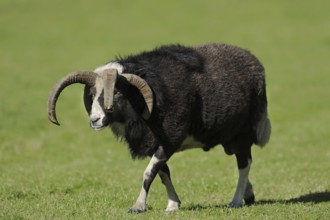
x=175 y=98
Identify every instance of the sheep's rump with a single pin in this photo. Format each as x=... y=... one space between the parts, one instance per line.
x=234 y=102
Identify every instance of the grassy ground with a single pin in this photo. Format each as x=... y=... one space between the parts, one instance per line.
x=73 y=172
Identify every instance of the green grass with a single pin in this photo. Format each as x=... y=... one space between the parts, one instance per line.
x=73 y=172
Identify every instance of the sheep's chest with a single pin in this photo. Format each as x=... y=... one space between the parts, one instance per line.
x=189 y=143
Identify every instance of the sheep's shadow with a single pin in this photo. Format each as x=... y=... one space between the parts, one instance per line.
x=316 y=197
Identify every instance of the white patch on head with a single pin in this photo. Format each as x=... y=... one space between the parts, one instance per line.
x=111 y=65
x=97 y=114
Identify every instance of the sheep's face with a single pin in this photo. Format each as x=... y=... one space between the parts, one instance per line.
x=103 y=102
x=94 y=104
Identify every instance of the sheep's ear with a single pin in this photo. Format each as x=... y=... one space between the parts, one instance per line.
x=145 y=91
x=88 y=100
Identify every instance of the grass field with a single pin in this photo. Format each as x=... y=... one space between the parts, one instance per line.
x=73 y=172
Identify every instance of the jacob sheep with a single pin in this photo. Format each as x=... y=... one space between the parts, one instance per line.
x=174 y=98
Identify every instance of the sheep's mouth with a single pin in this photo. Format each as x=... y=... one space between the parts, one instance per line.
x=97 y=127
x=100 y=124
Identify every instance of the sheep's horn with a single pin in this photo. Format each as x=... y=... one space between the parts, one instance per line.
x=109 y=80
x=144 y=89
x=84 y=77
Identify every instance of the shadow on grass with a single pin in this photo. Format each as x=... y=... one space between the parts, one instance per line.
x=316 y=197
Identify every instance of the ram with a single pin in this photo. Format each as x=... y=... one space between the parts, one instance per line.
x=175 y=98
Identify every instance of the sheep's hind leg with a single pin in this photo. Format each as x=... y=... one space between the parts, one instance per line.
x=173 y=199
x=249 y=195
x=244 y=187
x=157 y=161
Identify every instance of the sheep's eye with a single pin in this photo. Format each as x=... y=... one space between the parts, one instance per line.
x=117 y=95
x=92 y=92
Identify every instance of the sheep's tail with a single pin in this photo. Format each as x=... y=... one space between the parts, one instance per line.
x=263 y=130
x=262 y=126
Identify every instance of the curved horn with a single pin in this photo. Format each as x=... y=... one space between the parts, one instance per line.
x=84 y=77
x=144 y=89
x=109 y=80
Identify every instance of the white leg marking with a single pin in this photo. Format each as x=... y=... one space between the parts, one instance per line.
x=140 y=204
x=173 y=199
x=241 y=186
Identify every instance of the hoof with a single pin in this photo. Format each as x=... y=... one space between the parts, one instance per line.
x=133 y=210
x=249 y=201
x=137 y=209
x=235 y=204
x=172 y=209
x=173 y=206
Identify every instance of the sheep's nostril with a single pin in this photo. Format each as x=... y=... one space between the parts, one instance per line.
x=93 y=120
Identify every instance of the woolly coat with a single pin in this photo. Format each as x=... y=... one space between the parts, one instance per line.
x=214 y=93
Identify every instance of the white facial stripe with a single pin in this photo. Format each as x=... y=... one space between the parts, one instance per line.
x=97 y=114
x=97 y=110
x=112 y=65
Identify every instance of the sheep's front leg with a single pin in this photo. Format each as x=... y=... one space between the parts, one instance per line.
x=173 y=199
x=157 y=161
